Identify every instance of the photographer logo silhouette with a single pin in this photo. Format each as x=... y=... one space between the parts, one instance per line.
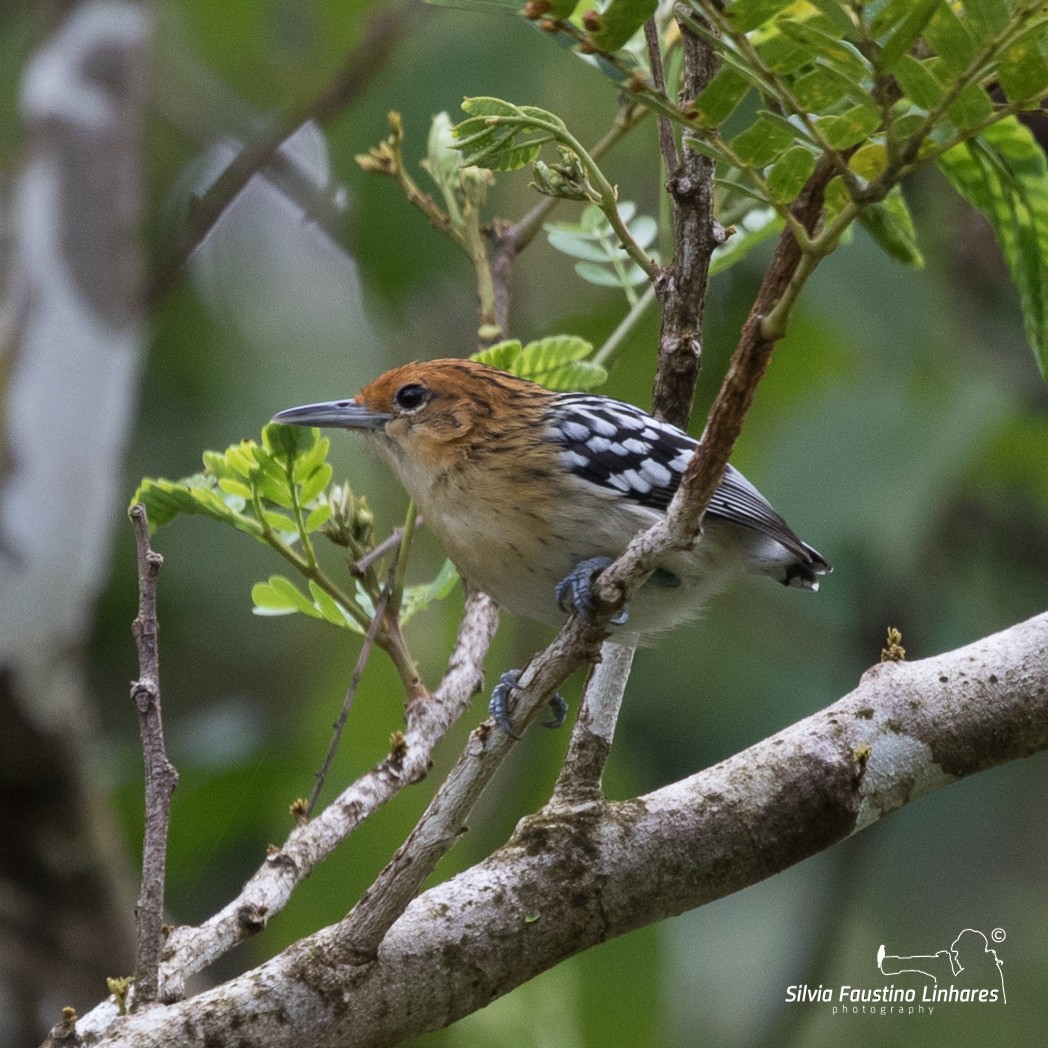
x=968 y=971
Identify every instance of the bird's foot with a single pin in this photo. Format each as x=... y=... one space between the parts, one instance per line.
x=498 y=707
x=575 y=590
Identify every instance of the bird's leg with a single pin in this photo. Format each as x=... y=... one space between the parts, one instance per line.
x=498 y=707
x=575 y=590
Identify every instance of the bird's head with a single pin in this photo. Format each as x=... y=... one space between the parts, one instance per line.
x=423 y=411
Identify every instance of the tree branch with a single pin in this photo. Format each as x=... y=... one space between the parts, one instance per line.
x=681 y=286
x=572 y=878
x=160 y=774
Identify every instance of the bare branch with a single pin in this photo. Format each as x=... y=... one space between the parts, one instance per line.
x=160 y=774
x=594 y=729
x=570 y=879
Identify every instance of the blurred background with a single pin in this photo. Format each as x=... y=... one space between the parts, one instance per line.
x=902 y=430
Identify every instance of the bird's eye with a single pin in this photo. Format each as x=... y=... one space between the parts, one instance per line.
x=411 y=397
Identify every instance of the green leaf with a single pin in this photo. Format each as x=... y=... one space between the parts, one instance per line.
x=789 y=173
x=555 y=362
x=890 y=224
x=551 y=352
x=950 y=38
x=972 y=107
x=238 y=457
x=418 y=598
x=315 y=484
x=318 y=518
x=604 y=260
x=620 y=20
x=631 y=275
x=823 y=89
x=280 y=596
x=331 y=610
x=918 y=81
x=906 y=32
x=834 y=52
x=720 y=97
x=279 y=522
x=847 y=129
x=750 y=14
x=199 y=494
x=305 y=464
x=1003 y=173
x=763 y=140
x=487 y=105
x=988 y=17
x=487 y=140
x=287 y=442
x=232 y=486
x=502 y=355
x=576 y=242
x=1022 y=70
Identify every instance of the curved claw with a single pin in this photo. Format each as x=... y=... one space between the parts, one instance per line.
x=558 y=712
x=575 y=590
x=498 y=706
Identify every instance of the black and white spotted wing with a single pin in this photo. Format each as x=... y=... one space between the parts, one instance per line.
x=618 y=446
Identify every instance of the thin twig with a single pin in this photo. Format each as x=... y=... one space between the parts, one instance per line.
x=784 y=277
x=626 y=325
x=358 y=568
x=160 y=774
x=667 y=143
x=351 y=694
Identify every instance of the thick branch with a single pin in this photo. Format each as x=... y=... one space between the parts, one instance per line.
x=572 y=878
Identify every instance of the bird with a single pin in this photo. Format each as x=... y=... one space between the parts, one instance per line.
x=532 y=492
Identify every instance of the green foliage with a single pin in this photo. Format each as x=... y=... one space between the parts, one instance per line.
x=502 y=136
x=280 y=493
x=614 y=26
x=249 y=485
x=1003 y=173
x=557 y=362
x=874 y=90
x=602 y=259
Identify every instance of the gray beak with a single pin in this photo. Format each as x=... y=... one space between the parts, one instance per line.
x=343 y=414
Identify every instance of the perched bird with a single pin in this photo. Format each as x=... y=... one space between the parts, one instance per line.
x=531 y=492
